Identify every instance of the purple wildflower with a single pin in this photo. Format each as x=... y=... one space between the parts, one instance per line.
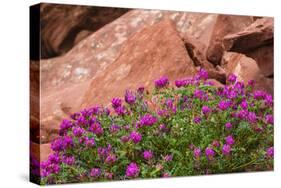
x=147 y=154
x=78 y=131
x=210 y=153
x=81 y=121
x=169 y=103
x=216 y=143
x=229 y=140
x=48 y=168
x=163 y=128
x=198 y=94
x=114 y=128
x=202 y=74
x=168 y=158
x=269 y=119
x=54 y=158
x=268 y=100
x=162 y=82
x=95 y=172
x=89 y=142
x=197 y=153
x=125 y=139
x=251 y=83
x=206 y=110
x=243 y=114
x=259 y=94
x=244 y=105
x=197 y=120
x=239 y=86
x=232 y=78
x=64 y=126
x=270 y=152
x=228 y=125
x=62 y=143
x=224 y=105
x=110 y=159
x=226 y=149
x=132 y=170
x=252 y=118
x=96 y=128
x=130 y=98
x=148 y=120
x=106 y=111
x=103 y=152
x=69 y=160
x=120 y=111
x=135 y=137
x=181 y=83
x=75 y=116
x=116 y=102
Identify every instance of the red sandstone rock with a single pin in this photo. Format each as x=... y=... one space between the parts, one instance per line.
x=61 y=25
x=153 y=52
x=246 y=69
x=258 y=34
x=195 y=51
x=96 y=52
x=58 y=104
x=264 y=56
x=256 y=41
x=225 y=24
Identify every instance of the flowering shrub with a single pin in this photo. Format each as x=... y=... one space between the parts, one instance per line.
x=192 y=128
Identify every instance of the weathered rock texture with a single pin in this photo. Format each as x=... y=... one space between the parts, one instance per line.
x=258 y=34
x=196 y=51
x=225 y=24
x=246 y=68
x=255 y=41
x=264 y=56
x=92 y=55
x=63 y=26
x=149 y=54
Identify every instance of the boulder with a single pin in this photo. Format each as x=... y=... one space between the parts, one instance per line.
x=258 y=34
x=246 y=68
x=195 y=51
x=57 y=104
x=151 y=53
x=225 y=24
x=256 y=41
x=264 y=56
x=61 y=25
x=101 y=48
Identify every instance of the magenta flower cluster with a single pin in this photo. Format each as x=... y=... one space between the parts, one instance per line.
x=162 y=82
x=132 y=170
x=187 y=129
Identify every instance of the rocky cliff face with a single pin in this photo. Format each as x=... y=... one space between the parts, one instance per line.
x=135 y=47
